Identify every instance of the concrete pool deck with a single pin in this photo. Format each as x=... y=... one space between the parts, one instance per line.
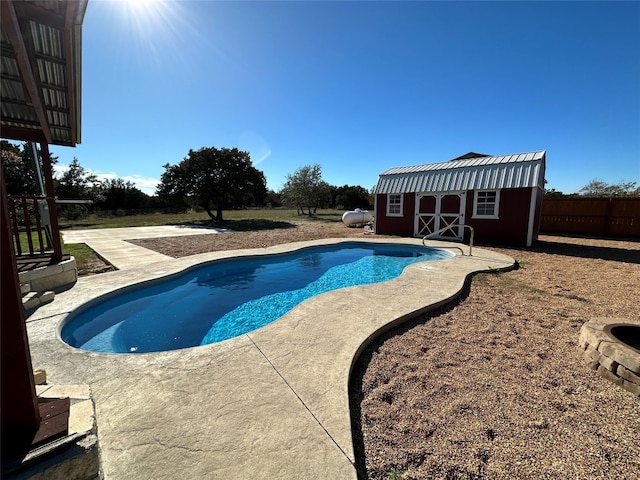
x=111 y=244
x=272 y=403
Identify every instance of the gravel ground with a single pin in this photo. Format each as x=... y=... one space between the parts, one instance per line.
x=193 y=244
x=493 y=386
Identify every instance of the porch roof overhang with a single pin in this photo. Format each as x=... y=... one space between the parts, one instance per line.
x=41 y=70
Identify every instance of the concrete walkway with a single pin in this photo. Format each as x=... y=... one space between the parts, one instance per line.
x=111 y=243
x=272 y=403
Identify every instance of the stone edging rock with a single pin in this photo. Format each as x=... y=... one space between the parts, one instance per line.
x=611 y=358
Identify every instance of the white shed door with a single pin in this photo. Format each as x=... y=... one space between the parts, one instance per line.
x=441 y=214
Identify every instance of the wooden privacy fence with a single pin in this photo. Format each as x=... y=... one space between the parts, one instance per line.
x=618 y=216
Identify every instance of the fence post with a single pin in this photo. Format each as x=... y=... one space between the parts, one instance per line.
x=607 y=216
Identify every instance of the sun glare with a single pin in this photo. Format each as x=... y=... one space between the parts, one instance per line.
x=153 y=26
x=145 y=15
x=142 y=6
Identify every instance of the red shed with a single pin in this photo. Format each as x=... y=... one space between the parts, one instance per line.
x=499 y=196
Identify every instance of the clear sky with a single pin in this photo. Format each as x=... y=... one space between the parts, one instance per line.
x=359 y=87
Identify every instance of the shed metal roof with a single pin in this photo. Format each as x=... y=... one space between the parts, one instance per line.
x=41 y=70
x=519 y=170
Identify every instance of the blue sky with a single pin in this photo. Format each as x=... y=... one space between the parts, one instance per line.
x=359 y=87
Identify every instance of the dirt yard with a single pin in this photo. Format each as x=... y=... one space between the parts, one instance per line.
x=493 y=386
x=190 y=245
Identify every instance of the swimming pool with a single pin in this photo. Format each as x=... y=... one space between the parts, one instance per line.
x=227 y=298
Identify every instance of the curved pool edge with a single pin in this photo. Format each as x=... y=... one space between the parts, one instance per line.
x=182 y=266
x=294 y=370
x=306 y=352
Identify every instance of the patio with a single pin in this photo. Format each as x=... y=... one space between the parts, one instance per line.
x=271 y=403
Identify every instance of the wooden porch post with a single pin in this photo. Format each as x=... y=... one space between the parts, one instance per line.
x=19 y=411
x=51 y=200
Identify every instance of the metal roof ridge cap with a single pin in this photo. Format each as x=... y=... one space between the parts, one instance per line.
x=475 y=161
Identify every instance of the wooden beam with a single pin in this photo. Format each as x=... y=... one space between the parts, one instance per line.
x=23 y=134
x=51 y=201
x=14 y=32
x=20 y=413
x=68 y=53
x=69 y=50
x=53 y=15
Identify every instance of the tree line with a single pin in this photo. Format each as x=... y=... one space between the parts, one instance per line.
x=599 y=188
x=212 y=180
x=75 y=183
x=209 y=179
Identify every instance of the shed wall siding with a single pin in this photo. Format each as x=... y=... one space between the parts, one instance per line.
x=510 y=228
x=402 y=226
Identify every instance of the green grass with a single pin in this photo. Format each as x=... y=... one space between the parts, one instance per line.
x=394 y=475
x=239 y=220
x=24 y=242
x=81 y=252
x=147 y=220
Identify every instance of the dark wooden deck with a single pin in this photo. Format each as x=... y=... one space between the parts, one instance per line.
x=36 y=261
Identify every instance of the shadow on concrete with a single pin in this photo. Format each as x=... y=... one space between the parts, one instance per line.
x=63 y=288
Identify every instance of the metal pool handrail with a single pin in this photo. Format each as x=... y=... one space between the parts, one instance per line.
x=449 y=228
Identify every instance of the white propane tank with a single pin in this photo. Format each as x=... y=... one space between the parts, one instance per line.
x=356 y=217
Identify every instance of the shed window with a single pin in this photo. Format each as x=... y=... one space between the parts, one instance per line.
x=394 y=205
x=485 y=204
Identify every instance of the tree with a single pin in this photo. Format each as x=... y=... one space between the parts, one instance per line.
x=553 y=193
x=350 y=197
x=17 y=180
x=115 y=194
x=599 y=188
x=19 y=168
x=76 y=183
x=272 y=199
x=214 y=179
x=305 y=188
x=624 y=189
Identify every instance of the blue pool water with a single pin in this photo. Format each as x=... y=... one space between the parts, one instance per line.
x=224 y=299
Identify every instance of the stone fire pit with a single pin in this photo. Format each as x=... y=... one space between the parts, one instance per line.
x=612 y=348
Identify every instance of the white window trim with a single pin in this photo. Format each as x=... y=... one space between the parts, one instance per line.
x=475 y=205
x=401 y=205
